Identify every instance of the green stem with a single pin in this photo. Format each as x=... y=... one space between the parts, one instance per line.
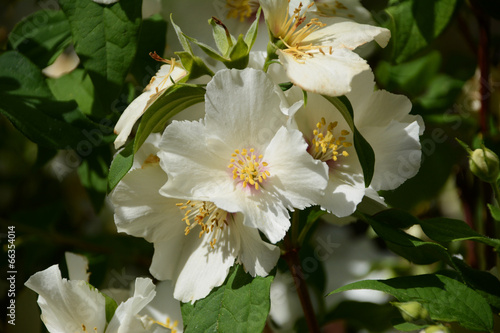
x=496 y=192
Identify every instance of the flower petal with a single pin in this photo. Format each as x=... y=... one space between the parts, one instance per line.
x=125 y=320
x=254 y=104
x=141 y=211
x=78 y=266
x=67 y=306
x=257 y=256
x=344 y=33
x=295 y=175
x=204 y=268
x=159 y=83
x=195 y=172
x=327 y=74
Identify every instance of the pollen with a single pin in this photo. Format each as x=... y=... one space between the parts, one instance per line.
x=248 y=168
x=294 y=29
x=325 y=146
x=241 y=9
x=171 y=325
x=206 y=215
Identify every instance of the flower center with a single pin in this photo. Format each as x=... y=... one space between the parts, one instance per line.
x=289 y=31
x=205 y=214
x=325 y=146
x=241 y=9
x=248 y=167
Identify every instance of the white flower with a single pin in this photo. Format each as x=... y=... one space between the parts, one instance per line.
x=242 y=157
x=316 y=49
x=164 y=78
x=384 y=121
x=75 y=306
x=196 y=261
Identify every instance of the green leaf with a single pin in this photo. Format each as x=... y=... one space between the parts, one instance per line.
x=152 y=38
x=410 y=78
x=446 y=230
x=120 y=165
x=110 y=307
x=484 y=283
x=251 y=34
x=175 y=99
x=26 y=100
x=241 y=304
x=285 y=86
x=495 y=212
x=78 y=86
x=408 y=246
x=446 y=299
x=370 y=316
x=416 y=23
x=105 y=39
x=93 y=174
x=42 y=36
x=365 y=152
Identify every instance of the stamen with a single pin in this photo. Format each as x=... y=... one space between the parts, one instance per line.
x=205 y=214
x=249 y=168
x=324 y=145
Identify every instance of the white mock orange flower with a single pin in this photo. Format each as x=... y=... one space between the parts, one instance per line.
x=315 y=49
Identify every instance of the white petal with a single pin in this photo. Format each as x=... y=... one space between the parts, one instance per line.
x=164 y=264
x=344 y=33
x=129 y=117
x=67 y=305
x=257 y=256
x=397 y=153
x=275 y=11
x=159 y=83
x=204 y=268
x=295 y=175
x=125 y=320
x=164 y=305
x=148 y=148
x=78 y=266
x=141 y=211
x=342 y=195
x=195 y=172
x=242 y=109
x=351 y=9
x=327 y=74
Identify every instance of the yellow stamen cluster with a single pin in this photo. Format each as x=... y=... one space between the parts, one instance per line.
x=205 y=214
x=240 y=9
x=248 y=167
x=172 y=326
x=325 y=146
x=300 y=52
x=290 y=32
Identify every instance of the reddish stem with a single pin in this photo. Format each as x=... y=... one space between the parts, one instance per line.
x=292 y=259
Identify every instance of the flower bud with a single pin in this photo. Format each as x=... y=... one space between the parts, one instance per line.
x=484 y=164
x=435 y=329
x=412 y=311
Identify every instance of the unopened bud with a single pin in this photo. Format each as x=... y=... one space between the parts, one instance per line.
x=484 y=164
x=412 y=311
x=435 y=329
